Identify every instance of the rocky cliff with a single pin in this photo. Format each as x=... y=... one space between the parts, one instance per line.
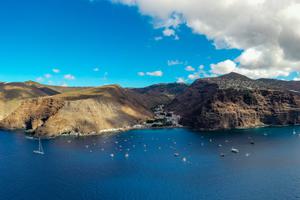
x=235 y=101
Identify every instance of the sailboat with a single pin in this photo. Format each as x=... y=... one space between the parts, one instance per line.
x=40 y=150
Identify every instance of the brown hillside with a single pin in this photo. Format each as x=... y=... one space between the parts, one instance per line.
x=86 y=111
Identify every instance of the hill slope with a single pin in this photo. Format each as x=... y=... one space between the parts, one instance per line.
x=160 y=93
x=86 y=111
x=12 y=94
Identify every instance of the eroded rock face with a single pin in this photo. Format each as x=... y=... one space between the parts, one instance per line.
x=32 y=113
x=208 y=106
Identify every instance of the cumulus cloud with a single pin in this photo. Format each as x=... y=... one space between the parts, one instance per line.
x=199 y=72
x=266 y=31
x=155 y=73
x=194 y=76
x=69 y=77
x=141 y=73
x=224 y=67
x=190 y=69
x=168 y=32
x=228 y=66
x=180 y=80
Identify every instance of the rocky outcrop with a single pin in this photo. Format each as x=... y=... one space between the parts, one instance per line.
x=224 y=103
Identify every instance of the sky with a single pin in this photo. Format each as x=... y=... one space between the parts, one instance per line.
x=135 y=43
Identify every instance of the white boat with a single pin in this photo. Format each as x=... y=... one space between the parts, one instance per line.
x=30 y=138
x=40 y=150
x=176 y=154
x=233 y=150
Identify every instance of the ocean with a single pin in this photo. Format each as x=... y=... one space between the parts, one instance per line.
x=154 y=164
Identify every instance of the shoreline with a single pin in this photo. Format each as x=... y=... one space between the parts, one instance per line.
x=116 y=131
x=105 y=132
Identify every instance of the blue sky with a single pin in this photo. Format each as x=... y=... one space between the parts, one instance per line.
x=96 y=43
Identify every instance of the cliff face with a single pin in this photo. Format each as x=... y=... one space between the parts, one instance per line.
x=89 y=111
x=12 y=95
x=223 y=103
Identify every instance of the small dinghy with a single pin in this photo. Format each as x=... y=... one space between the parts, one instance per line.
x=233 y=150
x=30 y=138
x=176 y=154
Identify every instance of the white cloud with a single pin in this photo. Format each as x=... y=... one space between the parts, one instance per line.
x=155 y=73
x=180 y=80
x=200 y=72
x=296 y=79
x=194 y=76
x=56 y=71
x=228 y=66
x=169 y=32
x=141 y=73
x=190 y=69
x=69 y=77
x=266 y=31
x=175 y=62
x=224 y=67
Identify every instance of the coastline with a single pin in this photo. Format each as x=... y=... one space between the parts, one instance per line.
x=116 y=131
x=125 y=129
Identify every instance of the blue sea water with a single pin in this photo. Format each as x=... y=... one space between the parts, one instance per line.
x=83 y=169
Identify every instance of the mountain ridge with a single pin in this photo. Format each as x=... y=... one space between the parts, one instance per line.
x=228 y=101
